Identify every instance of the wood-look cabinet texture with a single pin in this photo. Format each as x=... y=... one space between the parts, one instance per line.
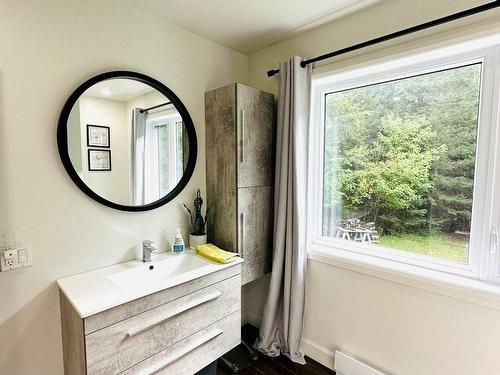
x=240 y=156
x=178 y=330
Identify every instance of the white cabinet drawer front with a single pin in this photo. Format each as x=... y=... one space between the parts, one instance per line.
x=122 y=345
x=195 y=352
x=135 y=307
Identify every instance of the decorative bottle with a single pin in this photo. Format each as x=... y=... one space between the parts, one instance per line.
x=178 y=247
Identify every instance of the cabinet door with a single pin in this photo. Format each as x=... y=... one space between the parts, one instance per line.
x=220 y=146
x=255 y=228
x=256 y=136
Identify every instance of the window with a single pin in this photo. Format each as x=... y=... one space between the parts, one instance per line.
x=170 y=154
x=403 y=159
x=180 y=137
x=166 y=158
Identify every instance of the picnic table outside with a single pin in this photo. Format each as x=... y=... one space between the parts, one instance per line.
x=358 y=231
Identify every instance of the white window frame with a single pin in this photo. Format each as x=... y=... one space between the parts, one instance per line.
x=168 y=120
x=484 y=259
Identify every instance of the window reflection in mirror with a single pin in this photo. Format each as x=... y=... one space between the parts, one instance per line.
x=144 y=134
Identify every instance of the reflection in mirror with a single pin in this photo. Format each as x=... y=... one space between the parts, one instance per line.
x=127 y=142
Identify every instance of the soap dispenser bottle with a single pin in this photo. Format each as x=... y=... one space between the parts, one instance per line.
x=178 y=247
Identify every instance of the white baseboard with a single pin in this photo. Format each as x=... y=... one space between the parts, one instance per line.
x=348 y=365
x=318 y=353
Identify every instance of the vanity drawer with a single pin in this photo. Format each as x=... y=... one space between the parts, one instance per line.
x=195 y=352
x=116 y=348
x=106 y=318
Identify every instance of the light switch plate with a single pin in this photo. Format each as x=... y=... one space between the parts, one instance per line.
x=11 y=259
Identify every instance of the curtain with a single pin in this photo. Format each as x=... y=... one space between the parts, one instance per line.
x=138 y=155
x=282 y=322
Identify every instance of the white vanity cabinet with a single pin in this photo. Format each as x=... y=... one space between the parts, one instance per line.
x=177 y=330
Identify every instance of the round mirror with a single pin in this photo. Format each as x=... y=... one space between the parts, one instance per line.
x=127 y=141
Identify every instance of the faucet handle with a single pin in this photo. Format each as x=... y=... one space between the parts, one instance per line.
x=147 y=243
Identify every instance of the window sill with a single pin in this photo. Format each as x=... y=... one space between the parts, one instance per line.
x=463 y=288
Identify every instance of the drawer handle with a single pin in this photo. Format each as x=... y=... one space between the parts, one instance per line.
x=188 y=349
x=196 y=302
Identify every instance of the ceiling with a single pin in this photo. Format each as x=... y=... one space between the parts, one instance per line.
x=119 y=89
x=249 y=25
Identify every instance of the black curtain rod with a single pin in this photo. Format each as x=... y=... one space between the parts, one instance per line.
x=397 y=34
x=154 y=107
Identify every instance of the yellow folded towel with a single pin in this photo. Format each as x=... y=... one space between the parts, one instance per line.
x=215 y=254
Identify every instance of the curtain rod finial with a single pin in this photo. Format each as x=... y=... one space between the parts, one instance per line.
x=272 y=72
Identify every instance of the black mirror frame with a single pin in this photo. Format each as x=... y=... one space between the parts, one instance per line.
x=62 y=139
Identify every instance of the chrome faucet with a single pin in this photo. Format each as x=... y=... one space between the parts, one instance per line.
x=147 y=250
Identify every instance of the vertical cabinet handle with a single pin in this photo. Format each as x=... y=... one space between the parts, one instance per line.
x=243 y=232
x=242 y=135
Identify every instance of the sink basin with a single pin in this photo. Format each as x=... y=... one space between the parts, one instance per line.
x=99 y=290
x=142 y=275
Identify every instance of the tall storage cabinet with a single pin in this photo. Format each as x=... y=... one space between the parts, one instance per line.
x=240 y=144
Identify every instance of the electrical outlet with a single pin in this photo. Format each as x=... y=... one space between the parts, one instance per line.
x=9 y=260
x=15 y=258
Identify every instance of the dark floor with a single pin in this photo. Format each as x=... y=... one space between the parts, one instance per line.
x=267 y=365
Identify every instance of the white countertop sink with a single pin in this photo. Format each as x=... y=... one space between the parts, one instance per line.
x=99 y=290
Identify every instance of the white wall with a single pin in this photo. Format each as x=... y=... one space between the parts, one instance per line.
x=253 y=300
x=48 y=47
x=147 y=100
x=398 y=328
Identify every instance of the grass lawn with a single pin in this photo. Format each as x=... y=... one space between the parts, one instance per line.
x=447 y=246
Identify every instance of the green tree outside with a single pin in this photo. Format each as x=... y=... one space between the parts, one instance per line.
x=402 y=154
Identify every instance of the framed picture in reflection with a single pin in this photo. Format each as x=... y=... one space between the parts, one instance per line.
x=98 y=136
x=99 y=160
